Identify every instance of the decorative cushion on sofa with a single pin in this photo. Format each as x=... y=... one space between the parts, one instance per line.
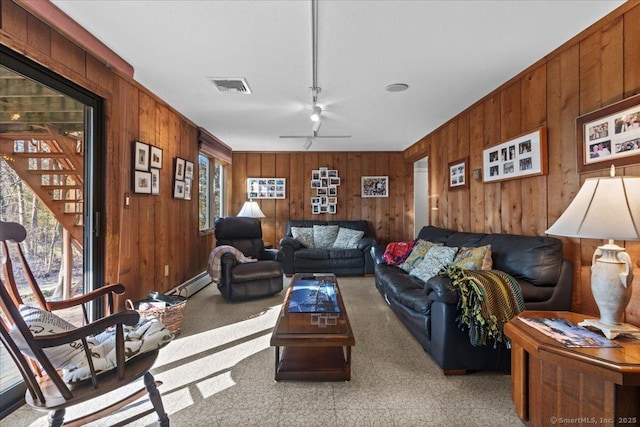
x=347 y=238
x=433 y=261
x=397 y=252
x=303 y=235
x=324 y=236
x=474 y=258
x=417 y=253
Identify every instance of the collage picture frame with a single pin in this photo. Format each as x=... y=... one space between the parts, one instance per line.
x=183 y=173
x=525 y=155
x=267 y=188
x=610 y=135
x=325 y=183
x=147 y=163
x=459 y=174
x=374 y=186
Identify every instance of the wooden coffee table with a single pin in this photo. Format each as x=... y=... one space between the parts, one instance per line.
x=314 y=344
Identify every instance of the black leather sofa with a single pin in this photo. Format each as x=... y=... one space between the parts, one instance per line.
x=429 y=310
x=342 y=262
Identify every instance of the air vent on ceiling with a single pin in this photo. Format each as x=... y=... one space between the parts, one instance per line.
x=231 y=85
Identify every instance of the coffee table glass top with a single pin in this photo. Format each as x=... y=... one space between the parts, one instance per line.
x=313 y=305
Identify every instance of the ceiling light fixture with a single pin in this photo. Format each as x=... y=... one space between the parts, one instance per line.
x=307 y=143
x=315 y=115
x=397 y=87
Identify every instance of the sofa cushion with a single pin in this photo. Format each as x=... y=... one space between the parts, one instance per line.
x=396 y=281
x=324 y=236
x=304 y=235
x=416 y=300
x=474 y=258
x=312 y=253
x=417 y=253
x=347 y=238
x=345 y=253
x=437 y=258
x=532 y=293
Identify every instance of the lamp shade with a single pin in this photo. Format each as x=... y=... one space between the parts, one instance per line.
x=251 y=209
x=604 y=208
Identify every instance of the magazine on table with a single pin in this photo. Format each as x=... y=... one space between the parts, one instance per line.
x=313 y=296
x=567 y=333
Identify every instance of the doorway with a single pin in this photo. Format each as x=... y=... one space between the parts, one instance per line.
x=51 y=169
x=420 y=194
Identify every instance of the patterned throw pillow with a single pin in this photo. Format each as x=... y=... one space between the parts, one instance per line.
x=304 y=235
x=397 y=252
x=433 y=261
x=347 y=238
x=474 y=258
x=40 y=323
x=324 y=236
x=417 y=253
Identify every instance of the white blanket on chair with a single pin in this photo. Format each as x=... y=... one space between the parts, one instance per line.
x=215 y=268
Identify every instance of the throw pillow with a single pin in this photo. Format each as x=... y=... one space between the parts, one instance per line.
x=417 y=253
x=433 y=261
x=304 y=235
x=347 y=238
x=397 y=252
x=324 y=236
x=40 y=323
x=474 y=258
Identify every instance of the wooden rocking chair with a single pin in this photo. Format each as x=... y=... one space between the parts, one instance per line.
x=46 y=389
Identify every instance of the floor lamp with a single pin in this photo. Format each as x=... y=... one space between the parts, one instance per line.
x=606 y=208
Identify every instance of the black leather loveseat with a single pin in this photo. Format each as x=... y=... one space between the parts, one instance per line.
x=298 y=258
x=429 y=310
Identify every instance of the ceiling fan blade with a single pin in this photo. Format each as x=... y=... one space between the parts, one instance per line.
x=313 y=137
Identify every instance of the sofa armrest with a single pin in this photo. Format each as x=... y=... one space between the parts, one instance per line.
x=439 y=289
x=376 y=254
x=366 y=243
x=288 y=246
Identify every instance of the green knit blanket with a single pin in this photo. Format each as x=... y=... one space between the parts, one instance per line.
x=488 y=300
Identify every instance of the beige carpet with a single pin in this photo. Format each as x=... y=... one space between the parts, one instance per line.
x=219 y=372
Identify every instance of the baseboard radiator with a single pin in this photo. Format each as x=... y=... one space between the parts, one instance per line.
x=192 y=286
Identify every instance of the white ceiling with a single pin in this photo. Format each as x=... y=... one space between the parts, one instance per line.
x=450 y=53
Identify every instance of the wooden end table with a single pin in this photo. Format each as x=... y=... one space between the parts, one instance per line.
x=553 y=384
x=313 y=345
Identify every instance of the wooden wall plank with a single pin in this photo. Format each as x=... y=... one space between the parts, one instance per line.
x=352 y=193
x=631 y=52
x=283 y=161
x=268 y=206
x=296 y=187
x=476 y=187
x=612 y=54
x=38 y=35
x=67 y=53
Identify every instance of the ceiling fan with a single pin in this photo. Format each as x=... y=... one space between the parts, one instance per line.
x=316 y=115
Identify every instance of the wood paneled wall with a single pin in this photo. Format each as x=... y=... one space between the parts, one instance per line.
x=596 y=68
x=155 y=230
x=390 y=218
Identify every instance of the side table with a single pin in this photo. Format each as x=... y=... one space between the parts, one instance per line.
x=553 y=384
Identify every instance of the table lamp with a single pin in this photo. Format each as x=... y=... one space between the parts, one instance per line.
x=251 y=209
x=606 y=208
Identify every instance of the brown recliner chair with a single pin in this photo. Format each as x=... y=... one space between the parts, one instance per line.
x=242 y=281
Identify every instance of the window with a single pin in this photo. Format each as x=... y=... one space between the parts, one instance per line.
x=211 y=191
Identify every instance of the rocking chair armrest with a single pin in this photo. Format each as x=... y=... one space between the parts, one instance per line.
x=126 y=317
x=117 y=289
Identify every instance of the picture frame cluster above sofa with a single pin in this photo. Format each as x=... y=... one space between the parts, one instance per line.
x=339 y=247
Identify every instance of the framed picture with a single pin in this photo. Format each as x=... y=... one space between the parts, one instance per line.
x=142 y=182
x=156 y=157
x=331 y=208
x=334 y=180
x=267 y=188
x=375 y=186
x=140 y=156
x=178 y=189
x=315 y=174
x=459 y=174
x=324 y=172
x=188 y=169
x=332 y=190
x=610 y=135
x=315 y=209
x=187 y=189
x=525 y=155
x=179 y=169
x=155 y=181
